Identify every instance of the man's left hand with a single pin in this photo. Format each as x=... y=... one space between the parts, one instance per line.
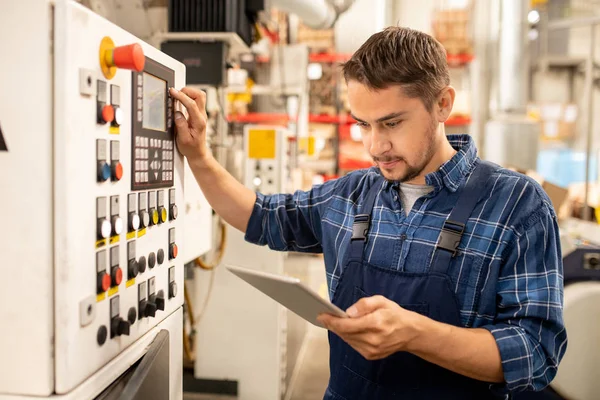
x=377 y=327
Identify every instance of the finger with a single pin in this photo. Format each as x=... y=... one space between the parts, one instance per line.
x=367 y=305
x=199 y=96
x=183 y=130
x=345 y=326
x=189 y=104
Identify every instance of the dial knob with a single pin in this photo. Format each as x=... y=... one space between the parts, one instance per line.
x=117 y=225
x=132 y=269
x=172 y=289
x=152 y=260
x=134 y=222
x=104 y=228
x=119 y=326
x=142 y=264
x=160 y=256
x=174 y=212
x=163 y=214
x=101 y=335
x=145 y=218
x=131 y=315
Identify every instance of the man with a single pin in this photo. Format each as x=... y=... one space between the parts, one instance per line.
x=449 y=267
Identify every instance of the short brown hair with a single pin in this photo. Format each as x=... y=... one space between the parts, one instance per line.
x=401 y=56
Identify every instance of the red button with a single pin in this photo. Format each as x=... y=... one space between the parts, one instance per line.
x=119 y=171
x=105 y=282
x=117 y=276
x=174 y=250
x=129 y=57
x=108 y=113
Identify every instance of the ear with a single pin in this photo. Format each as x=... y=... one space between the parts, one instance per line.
x=444 y=104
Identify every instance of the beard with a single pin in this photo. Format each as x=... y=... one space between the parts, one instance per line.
x=411 y=171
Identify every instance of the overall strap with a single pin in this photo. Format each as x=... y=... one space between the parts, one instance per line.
x=362 y=222
x=454 y=227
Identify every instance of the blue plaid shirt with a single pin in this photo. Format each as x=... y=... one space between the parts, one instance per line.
x=508 y=274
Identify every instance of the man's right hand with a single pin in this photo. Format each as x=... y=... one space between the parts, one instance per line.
x=191 y=133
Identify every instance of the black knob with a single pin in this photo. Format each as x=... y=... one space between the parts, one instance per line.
x=142 y=264
x=152 y=260
x=102 y=335
x=118 y=327
x=150 y=310
x=124 y=327
x=160 y=256
x=160 y=303
x=174 y=212
x=172 y=289
x=132 y=269
x=132 y=315
x=593 y=261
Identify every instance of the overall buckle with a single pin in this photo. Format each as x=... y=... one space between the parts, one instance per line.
x=450 y=236
x=360 y=227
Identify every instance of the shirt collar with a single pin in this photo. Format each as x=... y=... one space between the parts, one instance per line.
x=453 y=171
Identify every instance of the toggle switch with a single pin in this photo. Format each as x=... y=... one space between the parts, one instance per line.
x=160 y=300
x=147 y=309
x=118 y=327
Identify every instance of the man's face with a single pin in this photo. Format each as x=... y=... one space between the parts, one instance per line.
x=397 y=131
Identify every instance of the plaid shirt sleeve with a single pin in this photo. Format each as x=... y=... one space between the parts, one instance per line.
x=529 y=328
x=291 y=222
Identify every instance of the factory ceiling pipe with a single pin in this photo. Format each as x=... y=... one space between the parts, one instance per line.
x=513 y=74
x=316 y=14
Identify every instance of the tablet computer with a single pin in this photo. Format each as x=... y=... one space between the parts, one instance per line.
x=289 y=292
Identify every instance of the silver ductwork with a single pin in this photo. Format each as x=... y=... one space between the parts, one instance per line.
x=511 y=138
x=316 y=14
x=513 y=68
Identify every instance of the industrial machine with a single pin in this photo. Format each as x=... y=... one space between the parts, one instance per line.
x=92 y=190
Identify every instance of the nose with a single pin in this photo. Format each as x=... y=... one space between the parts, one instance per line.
x=380 y=143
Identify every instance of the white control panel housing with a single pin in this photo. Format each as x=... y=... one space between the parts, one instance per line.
x=266 y=160
x=55 y=311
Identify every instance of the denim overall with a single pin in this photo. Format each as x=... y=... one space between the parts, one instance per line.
x=404 y=375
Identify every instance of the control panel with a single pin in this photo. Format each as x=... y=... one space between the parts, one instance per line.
x=118 y=186
x=266 y=162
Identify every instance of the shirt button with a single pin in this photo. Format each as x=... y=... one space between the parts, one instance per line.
x=403 y=237
x=395 y=198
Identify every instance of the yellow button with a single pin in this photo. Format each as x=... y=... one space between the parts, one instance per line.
x=154 y=217
x=163 y=215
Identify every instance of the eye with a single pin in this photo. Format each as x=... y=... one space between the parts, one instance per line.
x=392 y=124
x=362 y=125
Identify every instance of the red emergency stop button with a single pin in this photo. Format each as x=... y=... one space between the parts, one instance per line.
x=173 y=251
x=108 y=113
x=117 y=171
x=127 y=57
x=117 y=276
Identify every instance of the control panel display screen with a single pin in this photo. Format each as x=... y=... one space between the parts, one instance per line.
x=155 y=92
